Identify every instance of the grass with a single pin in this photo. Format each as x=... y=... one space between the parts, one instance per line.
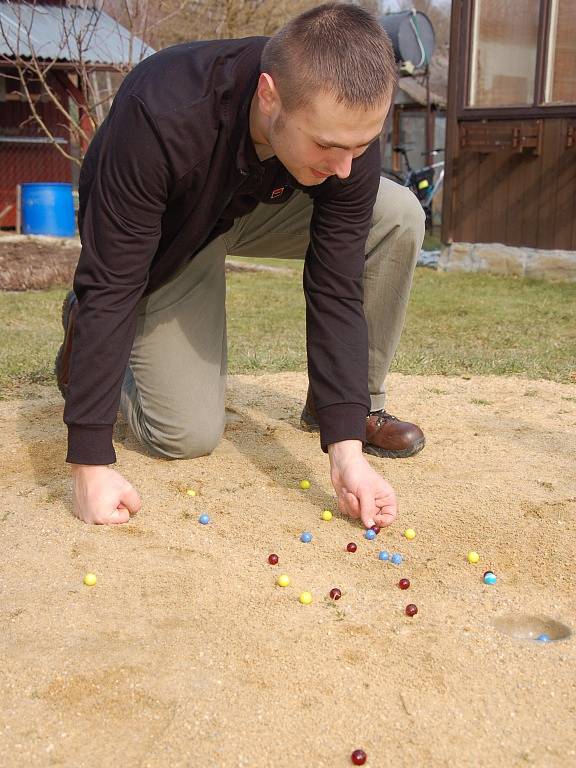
x=483 y=324
x=266 y=322
x=431 y=242
x=32 y=334
x=457 y=324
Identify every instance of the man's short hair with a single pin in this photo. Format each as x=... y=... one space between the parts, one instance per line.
x=335 y=48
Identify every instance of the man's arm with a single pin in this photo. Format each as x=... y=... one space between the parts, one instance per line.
x=336 y=330
x=337 y=338
x=125 y=189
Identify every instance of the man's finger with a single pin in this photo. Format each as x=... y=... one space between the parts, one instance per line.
x=120 y=515
x=384 y=518
x=368 y=508
x=348 y=504
x=387 y=511
x=130 y=500
x=353 y=505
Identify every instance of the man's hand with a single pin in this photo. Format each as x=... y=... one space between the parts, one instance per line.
x=100 y=495
x=361 y=491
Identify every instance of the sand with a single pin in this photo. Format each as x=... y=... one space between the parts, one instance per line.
x=186 y=654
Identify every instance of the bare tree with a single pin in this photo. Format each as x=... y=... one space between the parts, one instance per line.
x=76 y=62
x=145 y=17
x=214 y=19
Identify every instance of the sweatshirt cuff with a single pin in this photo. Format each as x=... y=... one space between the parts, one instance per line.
x=344 y=421
x=90 y=445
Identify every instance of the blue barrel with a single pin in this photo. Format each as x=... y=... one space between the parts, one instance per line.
x=48 y=209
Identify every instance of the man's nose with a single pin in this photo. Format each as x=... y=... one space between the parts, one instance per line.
x=343 y=166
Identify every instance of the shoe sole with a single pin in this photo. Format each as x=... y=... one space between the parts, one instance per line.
x=65 y=315
x=373 y=450
x=308 y=426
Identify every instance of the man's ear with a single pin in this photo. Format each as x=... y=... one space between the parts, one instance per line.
x=268 y=96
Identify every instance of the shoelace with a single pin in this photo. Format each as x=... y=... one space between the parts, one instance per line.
x=382 y=417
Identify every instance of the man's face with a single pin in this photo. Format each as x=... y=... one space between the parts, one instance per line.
x=322 y=139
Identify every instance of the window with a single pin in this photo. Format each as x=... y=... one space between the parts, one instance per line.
x=504 y=49
x=561 y=70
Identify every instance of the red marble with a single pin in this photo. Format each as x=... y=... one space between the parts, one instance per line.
x=358 y=757
x=404 y=583
x=273 y=559
x=376 y=529
x=335 y=593
x=351 y=547
x=411 y=610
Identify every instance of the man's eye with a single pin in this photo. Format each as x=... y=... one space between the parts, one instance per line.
x=321 y=146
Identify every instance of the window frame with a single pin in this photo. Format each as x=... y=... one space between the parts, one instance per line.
x=540 y=108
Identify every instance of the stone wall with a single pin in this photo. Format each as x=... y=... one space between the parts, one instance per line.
x=500 y=259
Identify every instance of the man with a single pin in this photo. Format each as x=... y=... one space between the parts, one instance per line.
x=248 y=147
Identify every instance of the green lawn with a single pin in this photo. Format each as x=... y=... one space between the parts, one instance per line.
x=457 y=323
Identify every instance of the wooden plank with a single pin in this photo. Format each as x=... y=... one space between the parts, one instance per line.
x=486 y=193
x=450 y=214
x=501 y=136
x=571 y=145
x=466 y=203
x=514 y=204
x=564 y=228
x=548 y=183
x=502 y=165
x=523 y=216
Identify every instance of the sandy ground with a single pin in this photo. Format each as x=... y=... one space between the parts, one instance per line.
x=187 y=654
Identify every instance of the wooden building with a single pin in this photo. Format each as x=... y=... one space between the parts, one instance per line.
x=26 y=154
x=417 y=118
x=417 y=122
x=57 y=36
x=511 y=124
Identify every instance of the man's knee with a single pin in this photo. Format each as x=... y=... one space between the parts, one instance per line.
x=397 y=207
x=188 y=441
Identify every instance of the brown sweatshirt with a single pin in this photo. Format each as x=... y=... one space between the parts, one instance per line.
x=168 y=171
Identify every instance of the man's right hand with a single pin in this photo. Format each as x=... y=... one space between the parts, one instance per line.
x=101 y=496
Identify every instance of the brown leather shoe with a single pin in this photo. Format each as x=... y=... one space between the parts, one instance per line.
x=62 y=364
x=386 y=436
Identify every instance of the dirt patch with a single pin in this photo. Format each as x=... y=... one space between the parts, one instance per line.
x=36 y=263
x=185 y=653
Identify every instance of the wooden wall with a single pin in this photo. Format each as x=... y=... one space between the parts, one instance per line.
x=510 y=172
x=514 y=196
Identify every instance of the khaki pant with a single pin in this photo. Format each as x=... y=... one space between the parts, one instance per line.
x=174 y=389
